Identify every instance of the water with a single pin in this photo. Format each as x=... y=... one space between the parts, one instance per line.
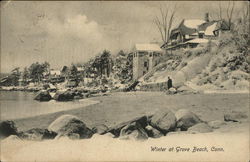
x=14 y=105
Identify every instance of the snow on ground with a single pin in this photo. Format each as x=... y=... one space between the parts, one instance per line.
x=230 y=147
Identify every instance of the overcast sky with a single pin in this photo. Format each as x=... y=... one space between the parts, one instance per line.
x=65 y=32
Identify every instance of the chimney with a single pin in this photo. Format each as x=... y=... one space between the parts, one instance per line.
x=206 y=18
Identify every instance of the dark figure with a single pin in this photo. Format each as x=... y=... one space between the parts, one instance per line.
x=170 y=85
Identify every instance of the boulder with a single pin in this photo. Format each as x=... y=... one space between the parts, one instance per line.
x=216 y=124
x=38 y=134
x=172 y=91
x=152 y=132
x=43 y=96
x=186 y=119
x=7 y=128
x=100 y=129
x=64 y=96
x=200 y=128
x=163 y=120
x=143 y=121
x=133 y=131
x=65 y=125
x=235 y=116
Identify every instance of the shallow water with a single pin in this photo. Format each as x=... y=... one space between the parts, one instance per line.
x=15 y=105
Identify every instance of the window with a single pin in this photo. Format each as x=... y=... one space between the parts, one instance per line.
x=201 y=35
x=144 y=72
x=145 y=64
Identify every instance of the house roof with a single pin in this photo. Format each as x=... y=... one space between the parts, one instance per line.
x=193 y=23
x=187 y=27
x=210 y=29
x=148 y=47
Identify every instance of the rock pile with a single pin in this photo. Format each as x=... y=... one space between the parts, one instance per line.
x=37 y=134
x=68 y=95
x=162 y=123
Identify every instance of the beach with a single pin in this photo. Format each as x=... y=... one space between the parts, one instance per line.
x=118 y=107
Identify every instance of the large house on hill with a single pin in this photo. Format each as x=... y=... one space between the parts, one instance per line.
x=191 y=32
x=145 y=57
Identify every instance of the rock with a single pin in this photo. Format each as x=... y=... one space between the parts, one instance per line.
x=216 y=124
x=43 y=96
x=133 y=131
x=200 y=128
x=235 y=116
x=100 y=129
x=172 y=91
x=152 y=132
x=186 y=119
x=143 y=121
x=38 y=134
x=64 y=96
x=65 y=125
x=7 y=128
x=163 y=120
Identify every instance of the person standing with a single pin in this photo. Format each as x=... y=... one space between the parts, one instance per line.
x=169 y=82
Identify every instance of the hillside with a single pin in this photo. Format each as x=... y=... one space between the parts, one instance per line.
x=220 y=64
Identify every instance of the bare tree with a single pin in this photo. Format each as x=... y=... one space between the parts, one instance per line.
x=164 y=22
x=245 y=13
x=229 y=13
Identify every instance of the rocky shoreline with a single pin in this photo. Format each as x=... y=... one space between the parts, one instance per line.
x=69 y=94
x=161 y=123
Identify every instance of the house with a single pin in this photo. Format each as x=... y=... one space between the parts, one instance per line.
x=55 y=72
x=145 y=57
x=55 y=76
x=192 y=32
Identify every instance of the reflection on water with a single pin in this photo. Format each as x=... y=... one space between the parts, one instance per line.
x=21 y=104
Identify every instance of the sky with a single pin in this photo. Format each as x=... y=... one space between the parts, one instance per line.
x=64 y=32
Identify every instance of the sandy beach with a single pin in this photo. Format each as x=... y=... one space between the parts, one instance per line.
x=119 y=107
